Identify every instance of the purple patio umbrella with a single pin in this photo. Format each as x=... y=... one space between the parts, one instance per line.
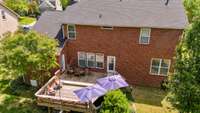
x=112 y=82
x=89 y=93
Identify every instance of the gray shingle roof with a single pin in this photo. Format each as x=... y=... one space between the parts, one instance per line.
x=127 y=13
x=49 y=23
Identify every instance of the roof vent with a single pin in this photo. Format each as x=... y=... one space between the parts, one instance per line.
x=100 y=15
x=167 y=2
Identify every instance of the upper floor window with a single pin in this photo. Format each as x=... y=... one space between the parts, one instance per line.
x=145 y=34
x=107 y=27
x=160 y=66
x=71 y=31
x=3 y=15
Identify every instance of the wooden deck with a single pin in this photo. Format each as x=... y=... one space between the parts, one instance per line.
x=91 y=78
x=65 y=99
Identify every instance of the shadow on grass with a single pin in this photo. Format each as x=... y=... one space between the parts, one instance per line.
x=149 y=96
x=17 y=97
x=14 y=104
x=17 y=88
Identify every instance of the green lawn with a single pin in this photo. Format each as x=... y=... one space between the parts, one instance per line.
x=16 y=97
x=26 y=20
x=151 y=100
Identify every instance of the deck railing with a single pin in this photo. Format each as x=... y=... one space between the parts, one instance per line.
x=61 y=103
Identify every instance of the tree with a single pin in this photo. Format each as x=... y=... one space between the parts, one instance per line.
x=115 y=102
x=64 y=3
x=185 y=82
x=33 y=8
x=29 y=54
x=193 y=9
x=19 y=6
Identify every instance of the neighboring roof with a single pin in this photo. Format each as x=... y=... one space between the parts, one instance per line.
x=127 y=13
x=46 y=4
x=49 y=23
x=9 y=9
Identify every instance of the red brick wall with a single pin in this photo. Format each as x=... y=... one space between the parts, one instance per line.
x=132 y=59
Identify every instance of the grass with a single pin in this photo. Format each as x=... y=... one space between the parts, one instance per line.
x=16 y=97
x=26 y=20
x=151 y=100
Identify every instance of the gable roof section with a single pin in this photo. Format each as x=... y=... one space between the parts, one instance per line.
x=49 y=23
x=127 y=13
x=9 y=9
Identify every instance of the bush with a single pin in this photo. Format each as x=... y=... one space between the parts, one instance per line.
x=115 y=102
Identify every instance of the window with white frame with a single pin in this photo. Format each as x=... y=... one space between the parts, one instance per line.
x=82 y=59
x=160 y=66
x=99 y=60
x=71 y=31
x=90 y=60
x=145 y=34
x=3 y=15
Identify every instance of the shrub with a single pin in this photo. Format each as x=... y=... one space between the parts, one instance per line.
x=115 y=102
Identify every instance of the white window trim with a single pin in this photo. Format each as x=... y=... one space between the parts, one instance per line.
x=79 y=57
x=73 y=31
x=107 y=27
x=63 y=31
x=103 y=61
x=160 y=59
x=141 y=36
x=87 y=54
x=114 y=68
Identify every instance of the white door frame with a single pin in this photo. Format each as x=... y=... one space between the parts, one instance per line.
x=63 y=62
x=108 y=61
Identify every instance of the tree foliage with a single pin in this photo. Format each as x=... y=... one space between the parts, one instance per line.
x=19 y=6
x=64 y=3
x=193 y=9
x=23 y=7
x=115 y=102
x=29 y=54
x=185 y=83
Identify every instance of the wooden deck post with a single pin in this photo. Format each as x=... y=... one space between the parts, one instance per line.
x=49 y=110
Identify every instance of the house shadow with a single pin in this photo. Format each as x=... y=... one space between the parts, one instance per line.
x=17 y=88
x=149 y=96
x=17 y=97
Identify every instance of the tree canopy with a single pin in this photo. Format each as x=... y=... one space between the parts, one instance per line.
x=23 y=7
x=185 y=83
x=193 y=9
x=64 y=3
x=28 y=54
x=115 y=102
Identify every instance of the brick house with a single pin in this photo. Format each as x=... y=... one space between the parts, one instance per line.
x=136 y=38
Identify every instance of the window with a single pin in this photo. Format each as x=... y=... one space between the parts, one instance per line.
x=160 y=66
x=107 y=27
x=82 y=59
x=71 y=30
x=99 y=60
x=3 y=15
x=91 y=60
x=145 y=34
